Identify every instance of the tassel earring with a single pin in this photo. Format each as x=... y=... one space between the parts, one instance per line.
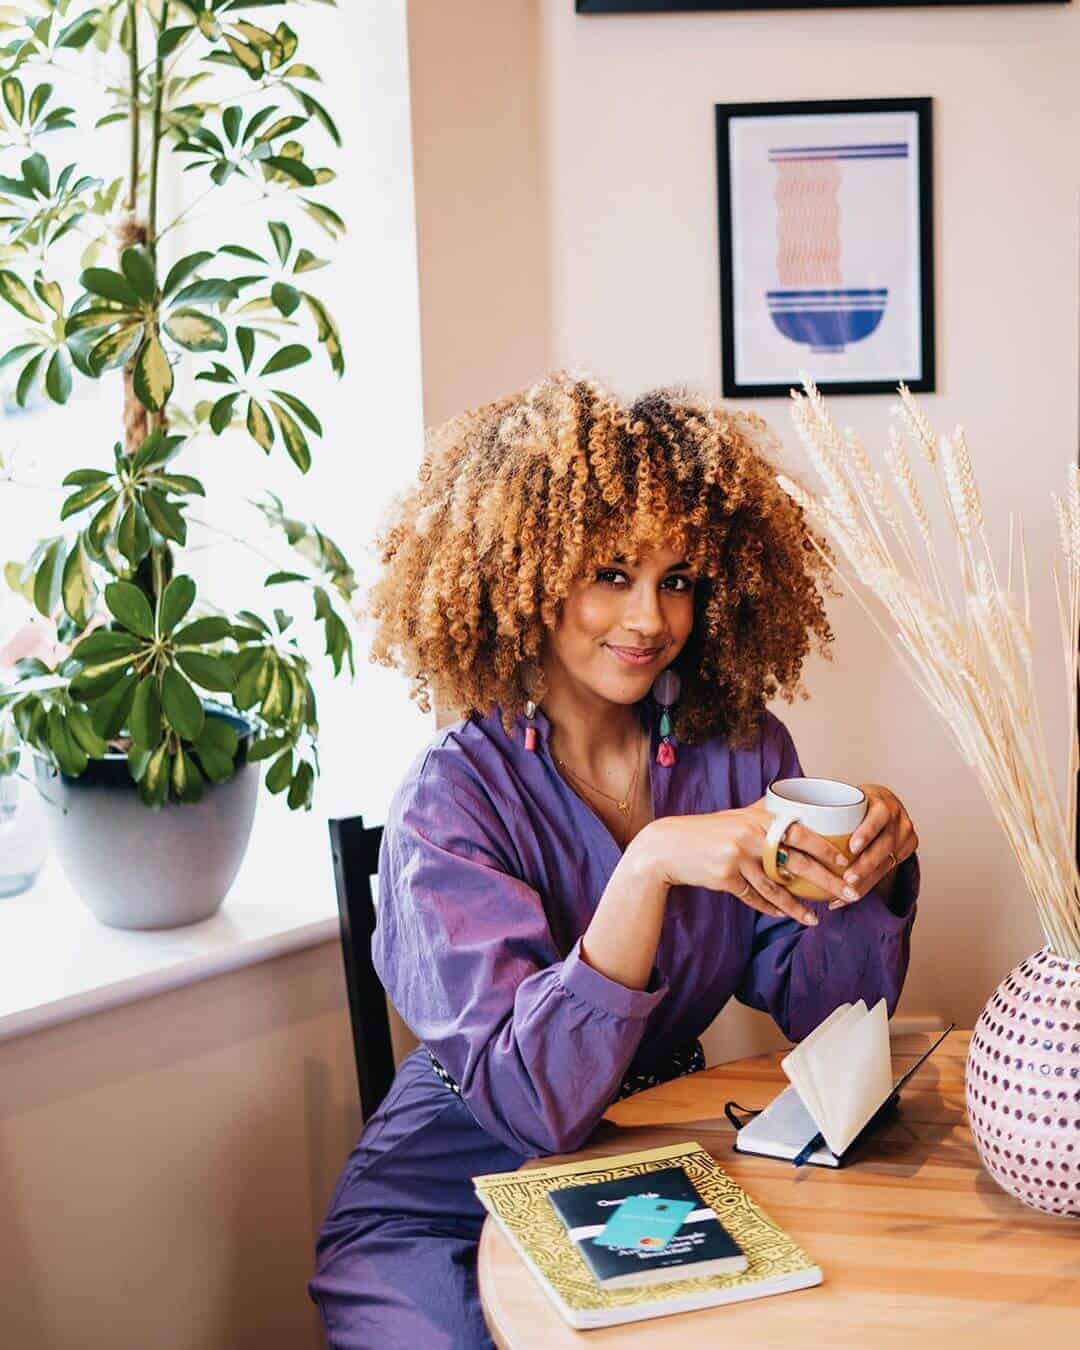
x=666 y=690
x=530 y=730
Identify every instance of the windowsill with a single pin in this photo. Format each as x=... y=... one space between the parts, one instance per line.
x=57 y=962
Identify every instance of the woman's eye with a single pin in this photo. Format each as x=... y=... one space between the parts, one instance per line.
x=684 y=583
x=608 y=574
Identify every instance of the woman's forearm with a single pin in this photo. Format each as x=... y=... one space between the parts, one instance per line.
x=620 y=941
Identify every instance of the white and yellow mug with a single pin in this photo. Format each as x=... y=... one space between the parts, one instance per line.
x=830 y=808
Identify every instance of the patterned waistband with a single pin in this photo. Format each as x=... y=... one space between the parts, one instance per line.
x=689 y=1058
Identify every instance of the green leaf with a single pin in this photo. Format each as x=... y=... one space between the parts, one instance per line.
x=155 y=779
x=84 y=477
x=16 y=292
x=324 y=216
x=195 y=331
x=286 y=297
x=230 y=121
x=187 y=781
x=103 y=645
x=218 y=735
x=171 y=38
x=280 y=578
x=144 y=723
x=221 y=413
x=295 y=440
x=328 y=332
x=84 y=733
x=282 y=237
x=279 y=773
x=156 y=450
x=183 y=268
x=259 y=425
x=115 y=349
x=138 y=762
x=101 y=526
x=133 y=536
x=35 y=171
x=152 y=377
x=58 y=376
x=130 y=607
x=178 y=597
x=70 y=756
x=79 y=501
x=285 y=358
x=181 y=705
x=181 y=483
x=295 y=169
x=77 y=587
x=209 y=289
x=165 y=516
x=14 y=353
x=14 y=97
x=50 y=292
x=202 y=631
x=303 y=784
x=247 y=58
x=245 y=341
x=78 y=33
x=99 y=317
x=239 y=251
x=139 y=270
x=314 y=108
x=301 y=410
x=217 y=766
x=212 y=672
x=26 y=379
x=47 y=578
x=110 y=285
x=110 y=711
x=306 y=261
x=266 y=747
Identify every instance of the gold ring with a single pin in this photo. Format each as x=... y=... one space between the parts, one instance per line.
x=785 y=873
x=895 y=860
x=743 y=892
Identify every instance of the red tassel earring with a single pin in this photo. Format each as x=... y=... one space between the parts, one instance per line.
x=666 y=690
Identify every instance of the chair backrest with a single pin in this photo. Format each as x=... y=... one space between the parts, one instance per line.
x=355 y=848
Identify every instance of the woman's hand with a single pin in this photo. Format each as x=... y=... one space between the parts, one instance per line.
x=722 y=851
x=886 y=828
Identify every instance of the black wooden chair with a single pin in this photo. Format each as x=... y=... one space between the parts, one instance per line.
x=355 y=848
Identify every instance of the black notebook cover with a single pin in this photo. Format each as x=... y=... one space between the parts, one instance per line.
x=586 y=1209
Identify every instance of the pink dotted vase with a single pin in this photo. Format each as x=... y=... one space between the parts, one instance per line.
x=1022 y=1084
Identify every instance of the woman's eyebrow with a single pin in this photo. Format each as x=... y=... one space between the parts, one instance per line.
x=675 y=567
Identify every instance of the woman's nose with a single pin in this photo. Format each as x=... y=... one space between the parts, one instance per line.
x=643 y=612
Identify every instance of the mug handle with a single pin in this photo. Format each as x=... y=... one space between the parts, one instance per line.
x=773 y=837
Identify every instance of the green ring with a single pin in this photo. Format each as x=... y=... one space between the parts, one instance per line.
x=781 y=856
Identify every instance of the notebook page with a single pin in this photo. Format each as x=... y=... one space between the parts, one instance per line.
x=810 y=1082
x=858 y=1078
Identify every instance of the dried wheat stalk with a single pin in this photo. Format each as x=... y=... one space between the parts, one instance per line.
x=973 y=663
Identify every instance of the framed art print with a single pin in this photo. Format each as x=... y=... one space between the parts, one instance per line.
x=826 y=246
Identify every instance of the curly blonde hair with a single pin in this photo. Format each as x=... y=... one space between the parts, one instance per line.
x=517 y=499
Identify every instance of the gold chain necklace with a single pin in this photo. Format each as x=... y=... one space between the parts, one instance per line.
x=623 y=804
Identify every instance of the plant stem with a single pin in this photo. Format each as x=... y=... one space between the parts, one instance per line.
x=133 y=105
x=155 y=137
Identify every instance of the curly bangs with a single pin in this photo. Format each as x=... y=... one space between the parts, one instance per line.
x=516 y=500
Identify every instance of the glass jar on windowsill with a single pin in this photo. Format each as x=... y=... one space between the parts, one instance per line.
x=22 y=827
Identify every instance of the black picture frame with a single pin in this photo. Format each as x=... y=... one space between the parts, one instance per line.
x=922 y=108
x=688 y=6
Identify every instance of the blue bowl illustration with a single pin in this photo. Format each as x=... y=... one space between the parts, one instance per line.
x=827 y=320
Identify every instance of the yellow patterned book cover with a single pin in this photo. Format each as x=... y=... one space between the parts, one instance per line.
x=519 y=1201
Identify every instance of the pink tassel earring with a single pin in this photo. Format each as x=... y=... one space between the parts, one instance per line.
x=530 y=730
x=666 y=690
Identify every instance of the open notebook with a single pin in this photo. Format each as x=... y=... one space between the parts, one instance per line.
x=842 y=1088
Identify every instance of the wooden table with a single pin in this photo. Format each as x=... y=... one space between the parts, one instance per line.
x=918 y=1246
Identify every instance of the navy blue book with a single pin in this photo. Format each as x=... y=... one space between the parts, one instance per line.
x=669 y=1231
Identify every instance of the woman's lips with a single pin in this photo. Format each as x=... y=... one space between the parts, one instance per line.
x=632 y=656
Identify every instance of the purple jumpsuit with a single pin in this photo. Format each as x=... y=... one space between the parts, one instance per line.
x=491 y=867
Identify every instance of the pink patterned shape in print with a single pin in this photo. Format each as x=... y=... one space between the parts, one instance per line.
x=1022 y=1084
x=808 y=222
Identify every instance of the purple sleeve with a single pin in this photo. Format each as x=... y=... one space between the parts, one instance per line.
x=537 y=1041
x=800 y=974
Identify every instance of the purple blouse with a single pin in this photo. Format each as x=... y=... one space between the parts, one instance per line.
x=490 y=870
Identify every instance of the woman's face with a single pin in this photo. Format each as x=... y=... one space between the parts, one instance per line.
x=622 y=625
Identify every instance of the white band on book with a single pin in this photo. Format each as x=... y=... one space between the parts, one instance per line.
x=591 y=1229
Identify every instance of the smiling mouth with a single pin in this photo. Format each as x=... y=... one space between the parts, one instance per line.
x=634 y=656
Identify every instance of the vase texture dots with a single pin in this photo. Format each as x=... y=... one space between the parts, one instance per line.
x=1022 y=1084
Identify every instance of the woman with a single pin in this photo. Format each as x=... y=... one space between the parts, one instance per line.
x=571 y=883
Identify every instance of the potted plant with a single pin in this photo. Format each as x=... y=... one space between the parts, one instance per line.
x=969 y=651
x=150 y=719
